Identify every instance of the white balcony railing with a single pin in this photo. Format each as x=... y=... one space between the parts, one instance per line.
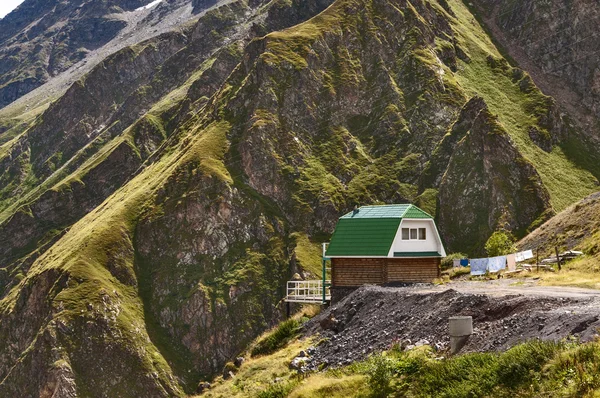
x=307 y=291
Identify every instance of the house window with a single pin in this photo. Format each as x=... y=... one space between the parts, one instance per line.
x=405 y=234
x=414 y=234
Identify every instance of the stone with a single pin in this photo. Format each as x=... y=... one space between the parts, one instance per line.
x=203 y=386
x=329 y=323
x=298 y=362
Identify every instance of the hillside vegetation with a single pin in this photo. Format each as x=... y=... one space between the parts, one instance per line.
x=531 y=369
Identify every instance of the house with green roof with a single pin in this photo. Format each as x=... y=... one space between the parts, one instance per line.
x=384 y=244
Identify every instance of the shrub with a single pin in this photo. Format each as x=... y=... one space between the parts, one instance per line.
x=229 y=367
x=577 y=368
x=486 y=374
x=516 y=365
x=500 y=243
x=380 y=371
x=276 y=339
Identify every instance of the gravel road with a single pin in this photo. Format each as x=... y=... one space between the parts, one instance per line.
x=502 y=287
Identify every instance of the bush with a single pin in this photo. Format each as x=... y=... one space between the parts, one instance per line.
x=577 y=368
x=277 y=339
x=229 y=367
x=500 y=243
x=486 y=374
x=380 y=371
x=516 y=365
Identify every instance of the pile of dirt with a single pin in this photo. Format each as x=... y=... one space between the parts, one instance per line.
x=374 y=318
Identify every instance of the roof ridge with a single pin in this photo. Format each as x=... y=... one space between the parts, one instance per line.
x=416 y=208
x=406 y=210
x=388 y=205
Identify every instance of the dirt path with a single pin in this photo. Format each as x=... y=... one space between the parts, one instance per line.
x=504 y=287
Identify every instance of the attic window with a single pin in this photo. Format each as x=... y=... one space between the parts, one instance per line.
x=414 y=234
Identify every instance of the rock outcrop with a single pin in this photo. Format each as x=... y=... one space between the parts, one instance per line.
x=488 y=185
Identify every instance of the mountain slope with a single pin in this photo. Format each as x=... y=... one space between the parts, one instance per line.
x=41 y=39
x=151 y=215
x=576 y=227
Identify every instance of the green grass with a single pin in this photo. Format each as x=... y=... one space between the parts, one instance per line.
x=258 y=375
x=277 y=338
x=532 y=369
x=327 y=386
x=581 y=272
x=308 y=254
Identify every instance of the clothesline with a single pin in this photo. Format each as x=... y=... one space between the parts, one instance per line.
x=481 y=266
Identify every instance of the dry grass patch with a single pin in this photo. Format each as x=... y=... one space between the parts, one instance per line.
x=583 y=272
x=258 y=374
x=326 y=386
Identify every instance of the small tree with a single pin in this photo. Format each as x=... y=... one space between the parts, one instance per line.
x=500 y=243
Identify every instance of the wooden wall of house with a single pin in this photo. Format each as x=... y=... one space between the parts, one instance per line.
x=377 y=271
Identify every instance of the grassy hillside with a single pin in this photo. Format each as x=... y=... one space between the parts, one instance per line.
x=532 y=369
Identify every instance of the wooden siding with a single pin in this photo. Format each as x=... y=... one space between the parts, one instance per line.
x=357 y=271
x=376 y=271
x=413 y=269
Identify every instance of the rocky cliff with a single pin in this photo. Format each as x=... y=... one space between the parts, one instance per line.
x=44 y=38
x=150 y=215
x=557 y=43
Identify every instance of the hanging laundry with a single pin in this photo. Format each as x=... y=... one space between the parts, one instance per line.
x=496 y=264
x=479 y=266
x=464 y=262
x=524 y=255
x=511 y=262
x=527 y=254
x=456 y=263
x=519 y=257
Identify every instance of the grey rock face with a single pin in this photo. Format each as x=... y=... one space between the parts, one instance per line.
x=488 y=185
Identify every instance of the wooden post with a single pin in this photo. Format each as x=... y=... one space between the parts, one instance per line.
x=557 y=257
x=287 y=310
x=537 y=259
x=324 y=280
x=325 y=272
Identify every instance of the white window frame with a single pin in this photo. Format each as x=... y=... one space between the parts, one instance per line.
x=402 y=233
x=410 y=238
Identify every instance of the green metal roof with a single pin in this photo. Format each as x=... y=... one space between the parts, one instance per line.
x=363 y=237
x=415 y=212
x=371 y=230
x=417 y=254
x=388 y=211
